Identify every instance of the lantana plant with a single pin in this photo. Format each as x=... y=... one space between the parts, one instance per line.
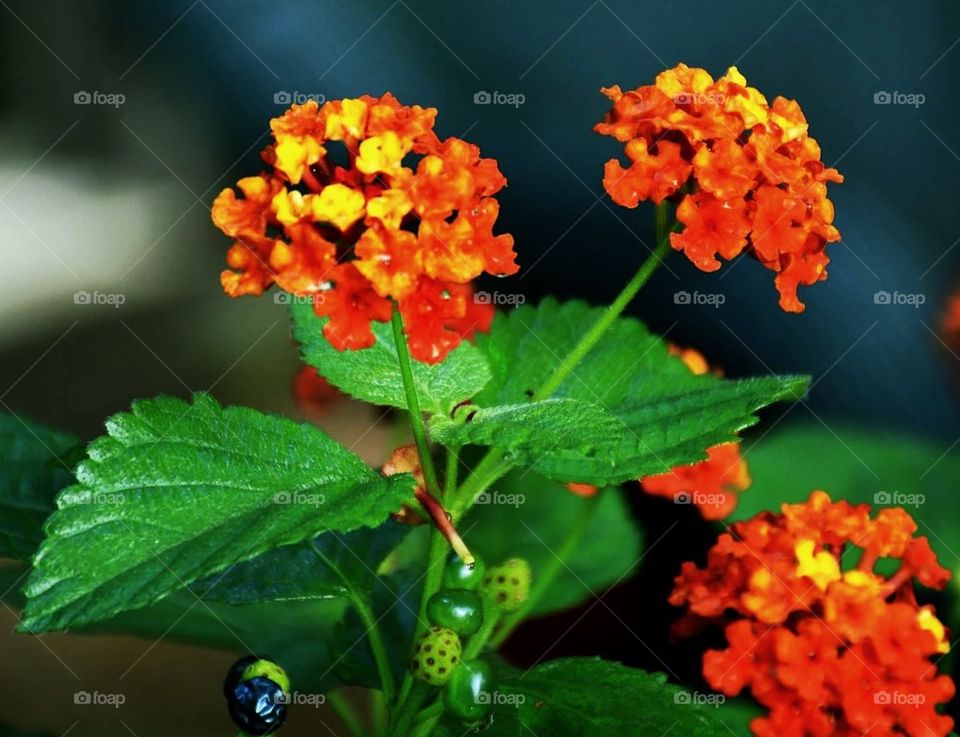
x=526 y=429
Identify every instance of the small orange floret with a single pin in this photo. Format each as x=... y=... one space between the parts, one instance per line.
x=746 y=173
x=380 y=228
x=827 y=650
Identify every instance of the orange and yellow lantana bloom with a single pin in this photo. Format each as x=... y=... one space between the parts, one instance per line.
x=825 y=642
x=361 y=204
x=745 y=174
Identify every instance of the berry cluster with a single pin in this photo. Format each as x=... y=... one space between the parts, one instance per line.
x=747 y=175
x=339 y=218
x=470 y=595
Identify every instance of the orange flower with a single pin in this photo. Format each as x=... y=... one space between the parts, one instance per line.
x=314 y=394
x=827 y=650
x=746 y=174
x=380 y=228
x=950 y=322
x=712 y=485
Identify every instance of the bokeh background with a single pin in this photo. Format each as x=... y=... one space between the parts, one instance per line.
x=113 y=198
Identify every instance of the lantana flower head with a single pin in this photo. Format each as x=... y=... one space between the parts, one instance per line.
x=746 y=175
x=361 y=203
x=713 y=485
x=828 y=649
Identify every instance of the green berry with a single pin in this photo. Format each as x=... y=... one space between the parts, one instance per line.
x=467 y=695
x=264 y=668
x=509 y=584
x=436 y=656
x=458 y=575
x=457 y=609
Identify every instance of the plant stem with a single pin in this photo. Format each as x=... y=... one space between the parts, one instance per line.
x=545 y=578
x=603 y=323
x=426 y=719
x=346 y=713
x=413 y=404
x=491 y=616
x=491 y=466
x=407 y=711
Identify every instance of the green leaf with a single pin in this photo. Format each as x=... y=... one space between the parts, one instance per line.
x=532 y=428
x=296 y=572
x=529 y=517
x=589 y=697
x=373 y=374
x=177 y=491
x=860 y=465
x=665 y=416
x=34 y=468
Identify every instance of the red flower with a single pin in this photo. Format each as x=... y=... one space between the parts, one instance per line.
x=747 y=175
x=827 y=650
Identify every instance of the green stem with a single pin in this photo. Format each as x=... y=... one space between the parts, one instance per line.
x=491 y=616
x=374 y=636
x=381 y=715
x=413 y=405
x=427 y=718
x=603 y=323
x=546 y=577
x=346 y=713
x=408 y=709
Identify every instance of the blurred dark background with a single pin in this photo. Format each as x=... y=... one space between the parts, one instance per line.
x=112 y=197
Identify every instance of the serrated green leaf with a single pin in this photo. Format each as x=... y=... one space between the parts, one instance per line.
x=533 y=428
x=33 y=468
x=527 y=516
x=373 y=374
x=589 y=697
x=177 y=491
x=665 y=415
x=297 y=572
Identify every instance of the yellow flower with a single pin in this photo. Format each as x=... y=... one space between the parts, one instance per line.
x=295 y=152
x=339 y=205
x=821 y=568
x=382 y=153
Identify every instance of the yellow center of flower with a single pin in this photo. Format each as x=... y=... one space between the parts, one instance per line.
x=821 y=568
x=339 y=205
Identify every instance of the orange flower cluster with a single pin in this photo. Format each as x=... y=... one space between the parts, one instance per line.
x=357 y=234
x=747 y=175
x=950 y=322
x=830 y=651
x=313 y=393
x=712 y=485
